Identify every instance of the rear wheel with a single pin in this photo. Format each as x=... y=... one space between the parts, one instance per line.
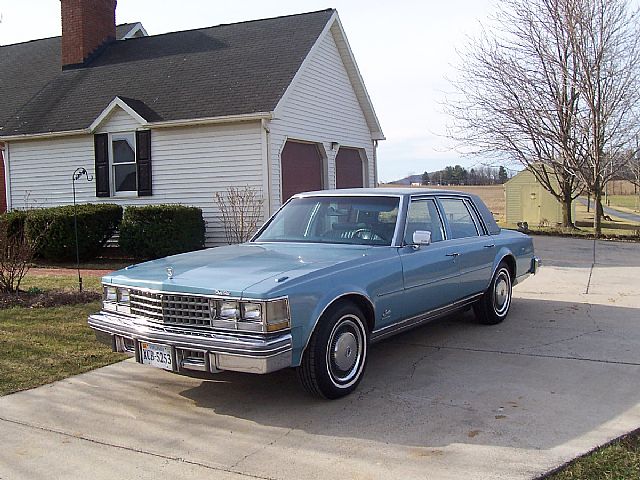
x=334 y=361
x=494 y=305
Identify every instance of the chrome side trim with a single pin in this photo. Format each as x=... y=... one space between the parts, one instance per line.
x=411 y=322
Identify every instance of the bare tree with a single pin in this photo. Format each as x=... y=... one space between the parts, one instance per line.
x=241 y=210
x=605 y=39
x=517 y=95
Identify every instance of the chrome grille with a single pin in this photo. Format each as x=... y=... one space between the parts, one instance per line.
x=171 y=309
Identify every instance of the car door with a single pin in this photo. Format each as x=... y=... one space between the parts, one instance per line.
x=474 y=250
x=430 y=272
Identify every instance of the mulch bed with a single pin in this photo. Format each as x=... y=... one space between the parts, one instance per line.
x=55 y=298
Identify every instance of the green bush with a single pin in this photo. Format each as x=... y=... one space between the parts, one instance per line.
x=96 y=224
x=15 y=222
x=156 y=231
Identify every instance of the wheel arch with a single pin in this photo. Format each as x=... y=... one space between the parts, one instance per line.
x=359 y=299
x=507 y=257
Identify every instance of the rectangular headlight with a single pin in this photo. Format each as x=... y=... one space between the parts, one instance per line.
x=277 y=315
x=251 y=312
x=110 y=294
x=229 y=310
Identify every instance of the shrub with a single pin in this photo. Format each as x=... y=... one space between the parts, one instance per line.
x=241 y=210
x=16 y=250
x=96 y=224
x=156 y=231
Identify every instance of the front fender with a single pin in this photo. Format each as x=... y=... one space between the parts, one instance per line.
x=307 y=309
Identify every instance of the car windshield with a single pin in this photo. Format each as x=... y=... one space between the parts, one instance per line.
x=340 y=219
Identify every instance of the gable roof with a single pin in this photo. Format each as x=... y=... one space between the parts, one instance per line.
x=220 y=71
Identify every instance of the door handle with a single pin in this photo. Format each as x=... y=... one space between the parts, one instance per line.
x=490 y=245
x=455 y=254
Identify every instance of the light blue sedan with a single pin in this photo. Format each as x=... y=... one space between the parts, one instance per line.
x=330 y=273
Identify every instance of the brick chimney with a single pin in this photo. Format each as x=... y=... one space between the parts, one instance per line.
x=87 y=25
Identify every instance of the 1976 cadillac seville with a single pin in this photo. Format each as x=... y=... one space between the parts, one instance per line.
x=329 y=273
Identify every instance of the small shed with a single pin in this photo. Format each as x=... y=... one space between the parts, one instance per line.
x=528 y=201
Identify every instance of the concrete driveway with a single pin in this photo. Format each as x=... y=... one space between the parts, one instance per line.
x=449 y=400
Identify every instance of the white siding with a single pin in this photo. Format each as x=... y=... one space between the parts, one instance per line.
x=321 y=107
x=118 y=121
x=189 y=165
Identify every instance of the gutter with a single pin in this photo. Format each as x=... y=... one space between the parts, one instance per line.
x=245 y=117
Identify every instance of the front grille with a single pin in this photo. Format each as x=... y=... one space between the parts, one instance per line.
x=171 y=309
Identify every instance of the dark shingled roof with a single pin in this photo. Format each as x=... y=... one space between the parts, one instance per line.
x=225 y=70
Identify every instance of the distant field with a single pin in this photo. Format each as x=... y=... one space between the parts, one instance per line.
x=492 y=195
x=626 y=201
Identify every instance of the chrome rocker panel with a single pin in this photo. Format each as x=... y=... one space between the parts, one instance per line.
x=218 y=351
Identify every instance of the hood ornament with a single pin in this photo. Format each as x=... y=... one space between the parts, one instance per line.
x=170 y=273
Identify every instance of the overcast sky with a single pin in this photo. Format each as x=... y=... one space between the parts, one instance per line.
x=404 y=49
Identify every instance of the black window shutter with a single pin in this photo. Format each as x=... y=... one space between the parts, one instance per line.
x=143 y=159
x=101 y=148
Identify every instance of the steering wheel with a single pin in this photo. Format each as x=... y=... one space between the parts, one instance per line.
x=368 y=234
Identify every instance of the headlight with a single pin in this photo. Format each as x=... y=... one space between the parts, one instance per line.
x=248 y=316
x=110 y=294
x=229 y=310
x=116 y=299
x=251 y=312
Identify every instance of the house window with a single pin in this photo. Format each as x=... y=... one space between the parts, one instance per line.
x=123 y=162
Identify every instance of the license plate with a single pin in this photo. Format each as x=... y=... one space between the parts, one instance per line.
x=156 y=355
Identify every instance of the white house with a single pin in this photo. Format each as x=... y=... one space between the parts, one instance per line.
x=276 y=104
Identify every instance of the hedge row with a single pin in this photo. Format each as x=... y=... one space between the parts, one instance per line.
x=156 y=231
x=145 y=232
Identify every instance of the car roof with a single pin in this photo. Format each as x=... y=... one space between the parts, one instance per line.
x=382 y=192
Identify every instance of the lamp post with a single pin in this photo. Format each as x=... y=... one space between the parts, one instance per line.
x=77 y=174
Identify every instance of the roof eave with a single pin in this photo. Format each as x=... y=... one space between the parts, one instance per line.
x=246 y=117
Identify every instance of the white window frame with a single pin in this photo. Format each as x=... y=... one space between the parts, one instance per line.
x=112 y=166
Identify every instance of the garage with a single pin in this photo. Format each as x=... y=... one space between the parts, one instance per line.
x=349 y=171
x=302 y=168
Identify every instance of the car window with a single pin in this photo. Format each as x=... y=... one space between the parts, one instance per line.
x=423 y=215
x=460 y=222
x=340 y=219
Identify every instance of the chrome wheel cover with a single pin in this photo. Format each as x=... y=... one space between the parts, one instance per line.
x=502 y=293
x=346 y=351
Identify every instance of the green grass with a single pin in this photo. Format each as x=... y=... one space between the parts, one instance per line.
x=60 y=282
x=617 y=461
x=42 y=345
x=625 y=201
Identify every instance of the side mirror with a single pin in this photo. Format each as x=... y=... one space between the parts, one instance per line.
x=421 y=237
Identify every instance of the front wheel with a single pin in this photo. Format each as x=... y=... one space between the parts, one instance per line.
x=334 y=361
x=494 y=305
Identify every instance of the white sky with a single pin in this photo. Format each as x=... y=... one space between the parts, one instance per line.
x=404 y=50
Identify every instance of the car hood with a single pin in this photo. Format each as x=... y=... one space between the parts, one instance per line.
x=233 y=269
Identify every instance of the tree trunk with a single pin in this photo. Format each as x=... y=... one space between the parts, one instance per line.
x=597 y=211
x=567 y=221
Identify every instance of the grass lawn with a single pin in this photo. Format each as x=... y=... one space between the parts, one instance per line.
x=42 y=345
x=60 y=282
x=618 y=461
x=630 y=202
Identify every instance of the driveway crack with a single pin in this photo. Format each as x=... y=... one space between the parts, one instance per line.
x=137 y=450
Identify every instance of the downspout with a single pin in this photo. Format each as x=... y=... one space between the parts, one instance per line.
x=375 y=163
x=267 y=140
x=7 y=177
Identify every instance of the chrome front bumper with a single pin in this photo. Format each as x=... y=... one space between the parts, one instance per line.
x=195 y=350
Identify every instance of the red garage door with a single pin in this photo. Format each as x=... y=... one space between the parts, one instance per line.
x=301 y=169
x=349 y=169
